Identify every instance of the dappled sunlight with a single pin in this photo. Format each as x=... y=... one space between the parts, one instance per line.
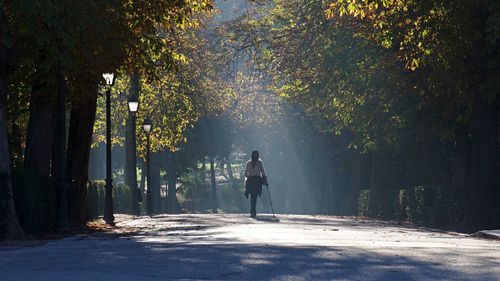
x=230 y=247
x=249 y=140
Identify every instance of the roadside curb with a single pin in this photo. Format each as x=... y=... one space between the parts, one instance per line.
x=488 y=234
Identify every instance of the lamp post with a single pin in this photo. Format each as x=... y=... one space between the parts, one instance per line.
x=108 y=195
x=147 y=127
x=133 y=106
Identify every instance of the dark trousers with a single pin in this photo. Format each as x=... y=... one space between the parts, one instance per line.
x=253 y=203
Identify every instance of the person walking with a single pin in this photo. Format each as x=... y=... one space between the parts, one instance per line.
x=255 y=177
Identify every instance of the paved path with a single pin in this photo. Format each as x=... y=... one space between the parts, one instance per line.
x=235 y=247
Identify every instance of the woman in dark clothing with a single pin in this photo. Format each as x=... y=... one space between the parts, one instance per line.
x=255 y=177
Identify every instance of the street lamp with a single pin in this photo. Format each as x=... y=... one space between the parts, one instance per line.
x=108 y=196
x=133 y=103
x=133 y=106
x=147 y=126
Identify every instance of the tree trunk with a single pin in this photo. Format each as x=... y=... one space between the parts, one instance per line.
x=127 y=172
x=359 y=178
x=172 y=203
x=479 y=210
x=480 y=207
x=155 y=182
x=379 y=184
x=54 y=161
x=411 y=162
x=13 y=228
x=424 y=154
x=40 y=134
x=461 y=165
x=16 y=141
x=229 y=170
x=213 y=191
x=203 y=164
x=331 y=192
x=77 y=159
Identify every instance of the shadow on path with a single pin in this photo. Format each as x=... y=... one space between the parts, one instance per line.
x=181 y=248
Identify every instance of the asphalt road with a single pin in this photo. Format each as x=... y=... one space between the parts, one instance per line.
x=236 y=247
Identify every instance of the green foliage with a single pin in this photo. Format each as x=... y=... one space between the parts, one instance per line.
x=35 y=199
x=429 y=205
x=195 y=189
x=364 y=203
x=96 y=195
x=402 y=205
x=95 y=199
x=347 y=83
x=83 y=39
x=231 y=197
x=417 y=208
x=175 y=98
x=122 y=199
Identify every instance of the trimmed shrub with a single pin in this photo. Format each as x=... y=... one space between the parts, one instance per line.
x=364 y=203
x=402 y=205
x=95 y=199
x=35 y=199
x=96 y=191
x=431 y=205
x=428 y=205
x=195 y=190
x=122 y=199
x=418 y=212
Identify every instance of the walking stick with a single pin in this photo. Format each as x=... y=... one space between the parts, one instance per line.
x=271 y=201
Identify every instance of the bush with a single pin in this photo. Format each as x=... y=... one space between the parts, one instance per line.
x=96 y=191
x=122 y=199
x=231 y=197
x=95 y=199
x=428 y=205
x=402 y=205
x=417 y=211
x=35 y=199
x=364 y=203
x=194 y=189
x=432 y=205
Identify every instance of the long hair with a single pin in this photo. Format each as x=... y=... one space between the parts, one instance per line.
x=255 y=158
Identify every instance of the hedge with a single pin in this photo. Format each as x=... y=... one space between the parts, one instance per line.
x=431 y=205
x=95 y=199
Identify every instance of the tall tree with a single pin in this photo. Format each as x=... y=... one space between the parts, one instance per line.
x=13 y=228
x=458 y=41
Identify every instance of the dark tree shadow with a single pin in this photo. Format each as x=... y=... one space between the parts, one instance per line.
x=190 y=251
